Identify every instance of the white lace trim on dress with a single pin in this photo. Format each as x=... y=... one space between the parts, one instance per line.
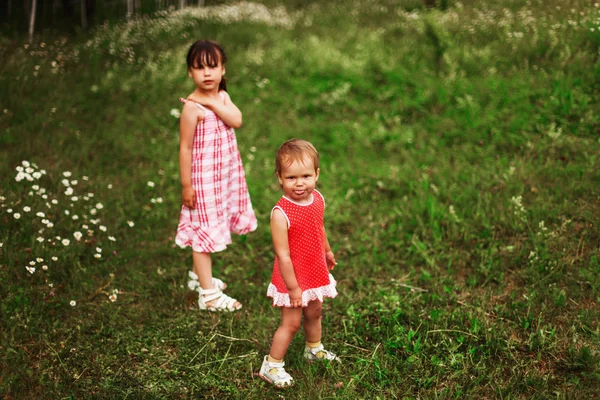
x=283 y=299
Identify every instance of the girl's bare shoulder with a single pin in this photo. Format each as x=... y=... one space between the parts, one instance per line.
x=191 y=109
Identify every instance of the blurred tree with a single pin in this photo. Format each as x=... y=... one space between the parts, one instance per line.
x=32 y=11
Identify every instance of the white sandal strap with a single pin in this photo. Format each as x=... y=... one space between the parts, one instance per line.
x=281 y=378
x=221 y=300
x=193 y=283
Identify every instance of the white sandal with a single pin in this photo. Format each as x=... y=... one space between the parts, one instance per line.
x=222 y=302
x=194 y=285
x=319 y=354
x=275 y=374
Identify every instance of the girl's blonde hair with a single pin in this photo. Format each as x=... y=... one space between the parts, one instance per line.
x=295 y=150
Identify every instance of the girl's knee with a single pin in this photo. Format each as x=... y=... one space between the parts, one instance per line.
x=313 y=311
x=291 y=326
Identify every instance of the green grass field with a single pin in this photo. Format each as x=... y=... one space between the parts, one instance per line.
x=460 y=154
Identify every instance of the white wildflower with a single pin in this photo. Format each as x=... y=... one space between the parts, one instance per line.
x=30 y=269
x=102 y=228
x=113 y=297
x=45 y=267
x=69 y=191
x=175 y=113
x=73 y=303
x=17 y=215
x=77 y=235
x=65 y=182
x=112 y=239
x=452 y=212
x=150 y=184
x=130 y=223
x=98 y=255
x=54 y=258
x=66 y=242
x=67 y=174
x=40 y=214
x=26 y=209
x=99 y=206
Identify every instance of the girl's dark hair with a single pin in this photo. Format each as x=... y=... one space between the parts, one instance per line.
x=208 y=53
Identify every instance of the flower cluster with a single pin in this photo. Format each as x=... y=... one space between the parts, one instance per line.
x=520 y=212
x=53 y=219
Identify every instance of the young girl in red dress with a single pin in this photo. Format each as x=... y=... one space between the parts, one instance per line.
x=214 y=192
x=301 y=277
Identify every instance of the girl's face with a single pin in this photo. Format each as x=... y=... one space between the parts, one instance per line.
x=298 y=180
x=207 y=78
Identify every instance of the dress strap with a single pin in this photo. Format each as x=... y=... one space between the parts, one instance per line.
x=284 y=214
x=197 y=104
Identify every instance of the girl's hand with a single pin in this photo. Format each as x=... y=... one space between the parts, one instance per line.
x=188 y=198
x=295 y=297
x=331 y=263
x=205 y=101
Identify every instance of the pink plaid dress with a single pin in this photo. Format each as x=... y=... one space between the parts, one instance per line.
x=222 y=201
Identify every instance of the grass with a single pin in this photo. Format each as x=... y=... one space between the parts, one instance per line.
x=459 y=163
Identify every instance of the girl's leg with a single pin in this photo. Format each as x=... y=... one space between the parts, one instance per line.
x=203 y=268
x=290 y=323
x=314 y=350
x=312 y=321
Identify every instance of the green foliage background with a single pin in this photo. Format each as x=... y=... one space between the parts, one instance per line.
x=460 y=160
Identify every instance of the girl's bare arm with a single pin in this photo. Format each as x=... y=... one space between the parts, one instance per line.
x=223 y=107
x=279 y=233
x=190 y=117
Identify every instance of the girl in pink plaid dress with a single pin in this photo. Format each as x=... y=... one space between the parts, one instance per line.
x=214 y=192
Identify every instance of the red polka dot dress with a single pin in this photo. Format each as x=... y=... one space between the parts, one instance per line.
x=306 y=238
x=222 y=201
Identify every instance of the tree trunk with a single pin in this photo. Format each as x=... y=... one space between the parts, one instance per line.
x=32 y=20
x=181 y=4
x=138 y=5
x=9 y=7
x=84 y=21
x=201 y=3
x=130 y=9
